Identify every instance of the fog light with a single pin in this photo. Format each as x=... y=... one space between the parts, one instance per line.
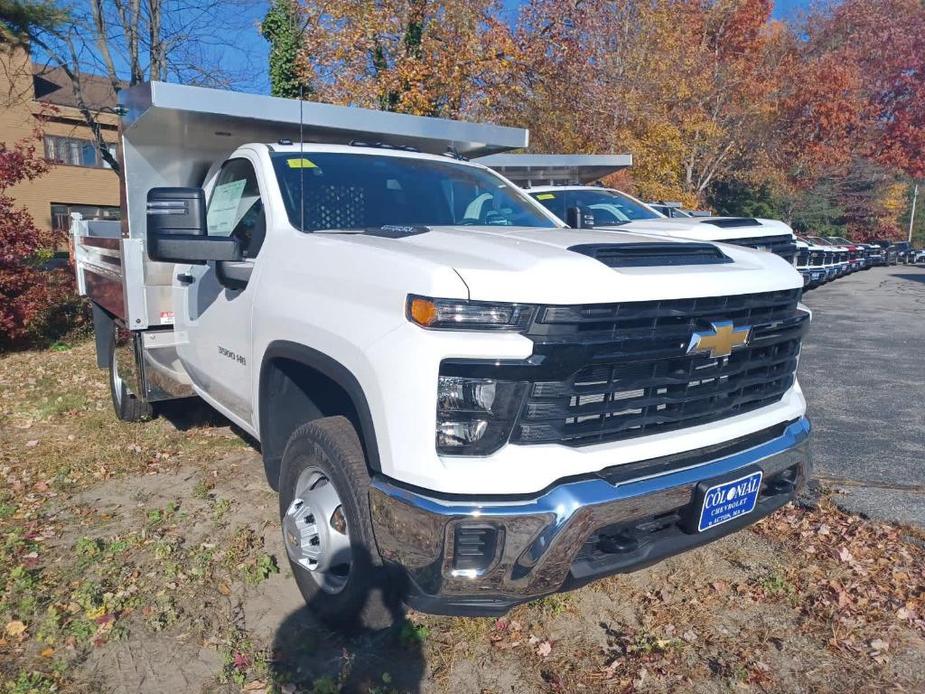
x=474 y=547
x=458 y=434
x=475 y=415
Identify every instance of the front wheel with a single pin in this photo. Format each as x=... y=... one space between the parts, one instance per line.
x=128 y=406
x=324 y=513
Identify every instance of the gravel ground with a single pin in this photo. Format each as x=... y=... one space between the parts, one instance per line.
x=863 y=371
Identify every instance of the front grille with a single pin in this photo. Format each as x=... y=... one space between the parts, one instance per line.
x=638 y=379
x=783 y=245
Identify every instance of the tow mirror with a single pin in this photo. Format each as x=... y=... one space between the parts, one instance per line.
x=578 y=218
x=176 y=229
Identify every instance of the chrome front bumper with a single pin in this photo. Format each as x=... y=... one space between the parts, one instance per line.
x=548 y=543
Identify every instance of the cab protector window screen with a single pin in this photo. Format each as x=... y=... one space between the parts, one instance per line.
x=361 y=191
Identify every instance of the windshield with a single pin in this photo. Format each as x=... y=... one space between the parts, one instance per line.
x=609 y=207
x=362 y=191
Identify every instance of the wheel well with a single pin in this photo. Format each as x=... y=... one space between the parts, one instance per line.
x=295 y=389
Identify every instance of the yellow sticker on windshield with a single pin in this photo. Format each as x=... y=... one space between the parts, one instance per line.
x=301 y=164
x=545 y=196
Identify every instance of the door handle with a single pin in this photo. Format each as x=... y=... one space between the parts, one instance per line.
x=186 y=278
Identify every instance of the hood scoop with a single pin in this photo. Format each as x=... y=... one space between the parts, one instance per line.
x=732 y=222
x=653 y=254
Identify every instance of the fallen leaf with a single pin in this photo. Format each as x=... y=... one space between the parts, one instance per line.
x=544 y=649
x=255 y=686
x=48 y=652
x=32 y=444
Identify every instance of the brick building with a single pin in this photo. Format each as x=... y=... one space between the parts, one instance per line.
x=35 y=97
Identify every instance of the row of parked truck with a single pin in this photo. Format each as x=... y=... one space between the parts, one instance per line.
x=823 y=259
x=475 y=378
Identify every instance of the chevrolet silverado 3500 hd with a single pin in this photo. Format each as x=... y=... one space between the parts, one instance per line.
x=463 y=404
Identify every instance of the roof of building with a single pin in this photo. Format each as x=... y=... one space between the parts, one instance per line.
x=53 y=86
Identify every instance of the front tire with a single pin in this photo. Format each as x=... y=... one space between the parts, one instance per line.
x=324 y=513
x=128 y=406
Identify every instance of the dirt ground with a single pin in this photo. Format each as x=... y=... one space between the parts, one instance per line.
x=147 y=558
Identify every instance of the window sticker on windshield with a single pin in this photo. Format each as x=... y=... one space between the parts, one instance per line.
x=223 y=208
x=545 y=196
x=301 y=163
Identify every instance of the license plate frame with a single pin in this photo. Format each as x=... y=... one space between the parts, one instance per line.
x=724 y=500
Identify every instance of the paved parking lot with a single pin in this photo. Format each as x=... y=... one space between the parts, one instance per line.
x=863 y=371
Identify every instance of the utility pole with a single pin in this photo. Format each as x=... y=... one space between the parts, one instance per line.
x=915 y=197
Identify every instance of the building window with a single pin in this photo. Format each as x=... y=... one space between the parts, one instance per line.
x=61 y=214
x=75 y=151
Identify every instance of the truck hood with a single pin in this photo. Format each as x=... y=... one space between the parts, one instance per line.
x=709 y=228
x=534 y=265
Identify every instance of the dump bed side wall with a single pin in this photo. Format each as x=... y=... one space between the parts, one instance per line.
x=98 y=264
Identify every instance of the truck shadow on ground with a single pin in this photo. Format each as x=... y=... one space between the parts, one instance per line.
x=317 y=657
x=195 y=413
x=912 y=278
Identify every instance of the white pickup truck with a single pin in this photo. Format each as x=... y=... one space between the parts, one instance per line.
x=464 y=404
x=560 y=183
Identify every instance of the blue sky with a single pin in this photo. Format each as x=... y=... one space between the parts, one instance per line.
x=252 y=57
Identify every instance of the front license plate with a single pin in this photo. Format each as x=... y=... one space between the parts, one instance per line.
x=728 y=500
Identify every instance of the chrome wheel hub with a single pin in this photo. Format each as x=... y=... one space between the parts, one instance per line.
x=315 y=531
x=116 y=379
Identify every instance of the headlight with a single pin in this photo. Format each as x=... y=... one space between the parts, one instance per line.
x=457 y=314
x=475 y=415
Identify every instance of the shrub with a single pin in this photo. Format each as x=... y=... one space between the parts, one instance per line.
x=35 y=304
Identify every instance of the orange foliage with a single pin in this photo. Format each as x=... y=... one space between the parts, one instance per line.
x=699 y=91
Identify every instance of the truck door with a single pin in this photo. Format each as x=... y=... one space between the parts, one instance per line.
x=215 y=312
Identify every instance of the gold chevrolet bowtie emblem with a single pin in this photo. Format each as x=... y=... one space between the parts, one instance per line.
x=720 y=340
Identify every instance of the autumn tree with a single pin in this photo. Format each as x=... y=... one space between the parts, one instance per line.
x=885 y=40
x=679 y=83
x=426 y=57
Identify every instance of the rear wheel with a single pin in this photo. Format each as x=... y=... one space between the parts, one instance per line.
x=128 y=407
x=324 y=513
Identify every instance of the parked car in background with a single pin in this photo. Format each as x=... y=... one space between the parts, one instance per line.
x=821 y=262
x=905 y=253
x=839 y=264
x=890 y=252
x=855 y=255
x=560 y=183
x=669 y=209
x=876 y=255
x=867 y=251
x=677 y=209
x=801 y=261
